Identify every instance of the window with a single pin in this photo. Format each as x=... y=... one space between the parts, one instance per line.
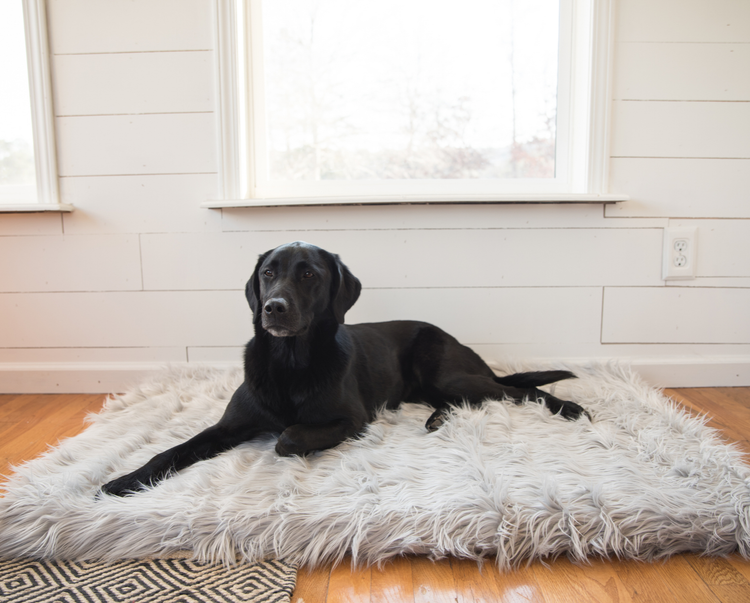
x=331 y=101
x=28 y=173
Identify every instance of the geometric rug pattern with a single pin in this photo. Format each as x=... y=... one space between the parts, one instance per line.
x=172 y=580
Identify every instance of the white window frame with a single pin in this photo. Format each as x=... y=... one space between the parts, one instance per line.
x=587 y=73
x=42 y=114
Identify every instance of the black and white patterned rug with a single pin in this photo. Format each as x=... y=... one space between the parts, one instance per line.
x=171 y=580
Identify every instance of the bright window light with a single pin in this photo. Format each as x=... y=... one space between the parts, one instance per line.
x=394 y=90
x=17 y=168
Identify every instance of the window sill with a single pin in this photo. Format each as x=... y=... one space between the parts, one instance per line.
x=418 y=199
x=27 y=208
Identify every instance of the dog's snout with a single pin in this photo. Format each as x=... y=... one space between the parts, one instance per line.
x=277 y=305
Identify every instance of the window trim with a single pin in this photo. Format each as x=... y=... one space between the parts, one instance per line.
x=234 y=120
x=42 y=114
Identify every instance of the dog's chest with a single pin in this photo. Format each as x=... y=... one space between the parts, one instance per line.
x=292 y=394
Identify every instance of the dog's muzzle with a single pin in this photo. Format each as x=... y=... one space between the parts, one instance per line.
x=279 y=320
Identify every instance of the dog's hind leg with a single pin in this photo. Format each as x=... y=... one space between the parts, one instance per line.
x=475 y=389
x=438 y=417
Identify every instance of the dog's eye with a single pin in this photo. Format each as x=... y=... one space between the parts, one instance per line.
x=268 y=273
x=308 y=274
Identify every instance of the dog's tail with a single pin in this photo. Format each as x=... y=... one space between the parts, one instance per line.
x=534 y=379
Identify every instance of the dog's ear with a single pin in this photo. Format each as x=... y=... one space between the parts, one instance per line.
x=345 y=289
x=252 y=289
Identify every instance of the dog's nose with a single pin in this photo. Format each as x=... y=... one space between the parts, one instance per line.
x=277 y=305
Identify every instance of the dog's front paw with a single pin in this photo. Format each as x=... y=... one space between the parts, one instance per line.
x=288 y=443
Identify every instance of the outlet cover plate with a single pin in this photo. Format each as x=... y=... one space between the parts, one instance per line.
x=679 y=255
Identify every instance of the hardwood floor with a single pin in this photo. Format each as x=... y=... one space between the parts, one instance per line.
x=31 y=423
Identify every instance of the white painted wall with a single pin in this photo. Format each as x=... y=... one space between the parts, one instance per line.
x=139 y=275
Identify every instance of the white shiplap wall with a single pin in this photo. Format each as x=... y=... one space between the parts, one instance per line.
x=681 y=148
x=139 y=275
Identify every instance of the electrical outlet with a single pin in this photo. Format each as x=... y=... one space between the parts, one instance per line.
x=679 y=253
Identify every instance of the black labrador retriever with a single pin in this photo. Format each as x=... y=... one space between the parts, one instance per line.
x=317 y=382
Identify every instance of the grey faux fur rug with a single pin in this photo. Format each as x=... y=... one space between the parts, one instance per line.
x=644 y=480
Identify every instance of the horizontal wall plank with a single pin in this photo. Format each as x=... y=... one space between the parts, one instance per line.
x=680 y=129
x=125 y=319
x=139 y=204
x=222 y=318
x=136 y=144
x=459 y=258
x=70 y=263
x=206 y=261
x=676 y=315
x=228 y=355
x=723 y=247
x=92 y=26
x=91 y=355
x=697 y=72
x=681 y=188
x=580 y=352
x=683 y=21
x=482 y=316
x=143 y=82
x=418 y=217
x=47 y=223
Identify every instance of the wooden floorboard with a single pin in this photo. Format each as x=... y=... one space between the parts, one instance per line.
x=29 y=424
x=433 y=581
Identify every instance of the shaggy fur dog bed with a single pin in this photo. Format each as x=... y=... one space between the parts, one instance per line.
x=643 y=480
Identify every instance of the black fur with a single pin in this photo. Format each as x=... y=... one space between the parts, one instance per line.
x=317 y=382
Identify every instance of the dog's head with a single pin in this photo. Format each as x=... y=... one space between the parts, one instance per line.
x=297 y=284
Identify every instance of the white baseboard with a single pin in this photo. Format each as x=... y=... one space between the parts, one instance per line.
x=79 y=377
x=724 y=371
x=114 y=377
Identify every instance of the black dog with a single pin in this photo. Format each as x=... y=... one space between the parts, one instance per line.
x=317 y=382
